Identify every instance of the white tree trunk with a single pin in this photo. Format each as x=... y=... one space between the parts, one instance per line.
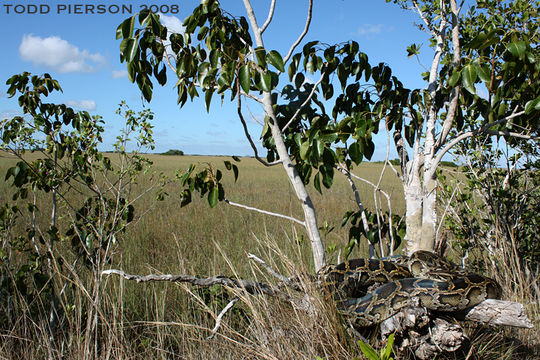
x=310 y=218
x=413 y=214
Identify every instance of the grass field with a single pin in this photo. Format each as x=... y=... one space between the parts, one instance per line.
x=164 y=320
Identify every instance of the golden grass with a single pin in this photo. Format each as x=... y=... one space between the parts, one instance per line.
x=165 y=320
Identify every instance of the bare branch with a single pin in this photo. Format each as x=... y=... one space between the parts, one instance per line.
x=265 y=212
x=220 y=316
x=306 y=28
x=421 y=13
x=272 y=272
x=455 y=92
x=308 y=99
x=347 y=174
x=269 y=18
x=248 y=136
x=252 y=287
x=468 y=134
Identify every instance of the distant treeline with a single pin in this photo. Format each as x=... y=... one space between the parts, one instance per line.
x=173 y=152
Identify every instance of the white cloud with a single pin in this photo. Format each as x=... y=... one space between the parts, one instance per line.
x=174 y=26
x=172 y=23
x=116 y=74
x=58 y=54
x=89 y=105
x=370 y=29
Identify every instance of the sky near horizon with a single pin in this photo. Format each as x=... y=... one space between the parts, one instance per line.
x=81 y=51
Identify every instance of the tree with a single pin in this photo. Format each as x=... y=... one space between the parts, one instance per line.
x=483 y=80
x=89 y=204
x=217 y=55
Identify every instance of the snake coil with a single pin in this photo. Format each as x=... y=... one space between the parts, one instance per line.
x=368 y=291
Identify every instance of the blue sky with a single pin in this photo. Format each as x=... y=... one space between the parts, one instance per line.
x=81 y=51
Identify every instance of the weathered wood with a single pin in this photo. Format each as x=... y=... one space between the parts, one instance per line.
x=498 y=312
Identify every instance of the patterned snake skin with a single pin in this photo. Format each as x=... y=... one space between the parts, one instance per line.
x=369 y=291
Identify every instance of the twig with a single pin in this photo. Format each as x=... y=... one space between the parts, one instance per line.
x=220 y=317
x=308 y=99
x=306 y=28
x=269 y=18
x=471 y=133
x=252 y=287
x=265 y=212
x=347 y=174
x=248 y=136
x=274 y=273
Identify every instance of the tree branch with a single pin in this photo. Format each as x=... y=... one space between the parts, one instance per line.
x=468 y=134
x=306 y=28
x=308 y=99
x=452 y=108
x=274 y=273
x=347 y=174
x=220 y=316
x=248 y=136
x=265 y=212
x=269 y=18
x=252 y=287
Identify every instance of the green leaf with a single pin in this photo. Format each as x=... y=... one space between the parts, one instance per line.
x=208 y=98
x=244 y=77
x=355 y=153
x=452 y=81
x=213 y=196
x=368 y=351
x=235 y=171
x=131 y=48
x=468 y=76
x=317 y=182
x=532 y=105
x=517 y=48
x=125 y=29
x=484 y=73
x=260 y=54
x=387 y=352
x=304 y=148
x=274 y=58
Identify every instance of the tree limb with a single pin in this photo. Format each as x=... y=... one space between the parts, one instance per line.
x=452 y=108
x=265 y=212
x=269 y=18
x=252 y=287
x=248 y=136
x=468 y=134
x=306 y=28
x=308 y=99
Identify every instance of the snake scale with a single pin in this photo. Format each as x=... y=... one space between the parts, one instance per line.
x=369 y=291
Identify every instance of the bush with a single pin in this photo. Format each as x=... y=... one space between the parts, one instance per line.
x=173 y=152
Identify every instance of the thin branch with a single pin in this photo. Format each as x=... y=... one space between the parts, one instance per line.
x=220 y=316
x=308 y=99
x=274 y=273
x=248 y=136
x=421 y=13
x=468 y=134
x=265 y=212
x=452 y=108
x=252 y=287
x=347 y=174
x=512 y=134
x=306 y=28
x=269 y=18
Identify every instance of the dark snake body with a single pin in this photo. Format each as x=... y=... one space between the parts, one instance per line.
x=369 y=291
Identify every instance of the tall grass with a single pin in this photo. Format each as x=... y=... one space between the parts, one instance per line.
x=111 y=318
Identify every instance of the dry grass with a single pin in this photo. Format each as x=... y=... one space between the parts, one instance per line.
x=117 y=319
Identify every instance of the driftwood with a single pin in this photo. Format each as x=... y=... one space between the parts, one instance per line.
x=493 y=312
x=416 y=330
